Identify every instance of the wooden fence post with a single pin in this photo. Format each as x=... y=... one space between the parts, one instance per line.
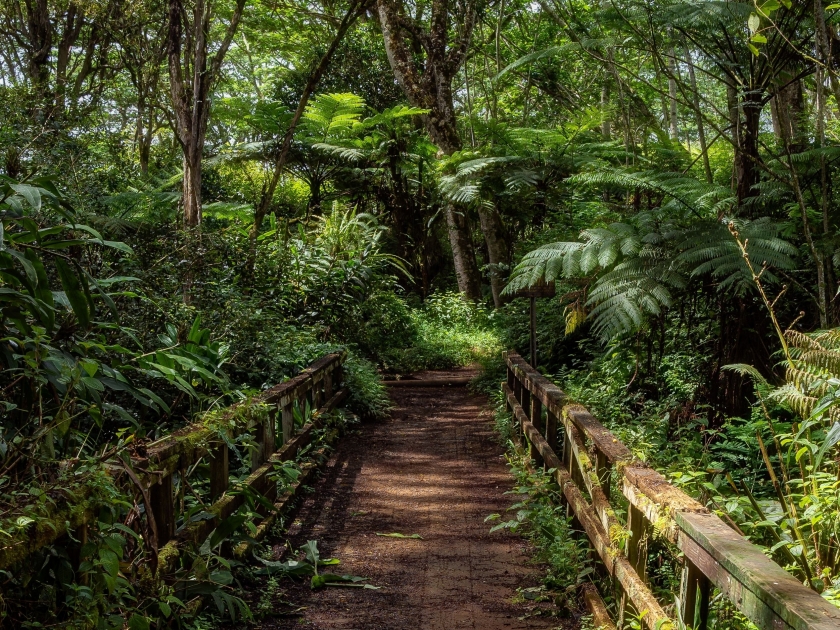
x=636 y=550
x=551 y=430
x=287 y=420
x=258 y=452
x=603 y=468
x=328 y=385
x=269 y=431
x=526 y=406
x=219 y=470
x=536 y=420
x=316 y=394
x=694 y=593
x=163 y=509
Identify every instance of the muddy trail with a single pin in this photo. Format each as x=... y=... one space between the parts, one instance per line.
x=433 y=468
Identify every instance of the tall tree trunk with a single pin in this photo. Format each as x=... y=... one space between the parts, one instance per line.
x=672 y=96
x=824 y=49
x=698 y=113
x=605 y=104
x=497 y=251
x=191 y=101
x=787 y=107
x=463 y=253
x=192 y=189
x=432 y=90
x=458 y=227
x=40 y=31
x=748 y=115
x=356 y=9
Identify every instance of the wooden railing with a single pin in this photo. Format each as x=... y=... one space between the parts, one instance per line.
x=177 y=453
x=272 y=440
x=592 y=462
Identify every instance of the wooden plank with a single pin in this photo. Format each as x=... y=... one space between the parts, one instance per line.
x=757 y=586
x=190 y=442
x=219 y=470
x=459 y=381
x=694 y=594
x=551 y=430
x=536 y=421
x=176 y=451
x=197 y=532
x=597 y=608
x=163 y=508
x=768 y=595
x=637 y=541
x=269 y=428
x=540 y=289
x=287 y=422
x=603 y=440
x=258 y=450
x=657 y=499
x=615 y=561
x=556 y=401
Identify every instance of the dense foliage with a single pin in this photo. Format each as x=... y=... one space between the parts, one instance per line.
x=200 y=197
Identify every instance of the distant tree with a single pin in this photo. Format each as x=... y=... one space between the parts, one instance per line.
x=193 y=71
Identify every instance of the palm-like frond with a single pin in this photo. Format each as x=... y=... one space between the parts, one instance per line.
x=702 y=199
x=709 y=248
x=637 y=265
x=623 y=298
x=332 y=115
x=813 y=376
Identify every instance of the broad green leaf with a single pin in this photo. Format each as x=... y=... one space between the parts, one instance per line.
x=138 y=622
x=30 y=193
x=831 y=439
x=74 y=291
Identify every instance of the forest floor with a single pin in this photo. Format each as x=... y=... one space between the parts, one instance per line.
x=435 y=468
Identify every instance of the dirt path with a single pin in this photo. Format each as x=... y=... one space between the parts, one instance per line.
x=433 y=468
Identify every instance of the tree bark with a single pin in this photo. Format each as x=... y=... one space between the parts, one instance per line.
x=672 y=96
x=497 y=251
x=430 y=87
x=191 y=102
x=787 y=107
x=606 y=132
x=698 y=113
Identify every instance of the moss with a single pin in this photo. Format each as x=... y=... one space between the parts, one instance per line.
x=81 y=496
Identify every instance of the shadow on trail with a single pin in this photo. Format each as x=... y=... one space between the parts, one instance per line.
x=433 y=468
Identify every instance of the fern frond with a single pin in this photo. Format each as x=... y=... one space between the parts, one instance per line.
x=789 y=395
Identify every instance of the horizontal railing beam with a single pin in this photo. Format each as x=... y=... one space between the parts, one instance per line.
x=713 y=552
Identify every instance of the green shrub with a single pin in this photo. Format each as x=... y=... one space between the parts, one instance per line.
x=443 y=332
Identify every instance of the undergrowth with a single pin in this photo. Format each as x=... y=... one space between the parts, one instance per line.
x=444 y=331
x=541 y=518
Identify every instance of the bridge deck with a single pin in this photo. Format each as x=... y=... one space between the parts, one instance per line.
x=433 y=468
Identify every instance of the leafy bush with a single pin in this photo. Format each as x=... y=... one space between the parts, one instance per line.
x=444 y=331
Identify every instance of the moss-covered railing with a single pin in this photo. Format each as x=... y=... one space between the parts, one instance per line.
x=269 y=422
x=591 y=462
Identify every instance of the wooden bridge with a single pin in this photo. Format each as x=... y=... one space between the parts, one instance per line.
x=591 y=466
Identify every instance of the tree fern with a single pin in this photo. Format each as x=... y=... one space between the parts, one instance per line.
x=331 y=115
x=708 y=248
x=635 y=266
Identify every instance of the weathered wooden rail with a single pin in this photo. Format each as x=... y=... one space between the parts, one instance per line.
x=168 y=463
x=178 y=453
x=592 y=461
